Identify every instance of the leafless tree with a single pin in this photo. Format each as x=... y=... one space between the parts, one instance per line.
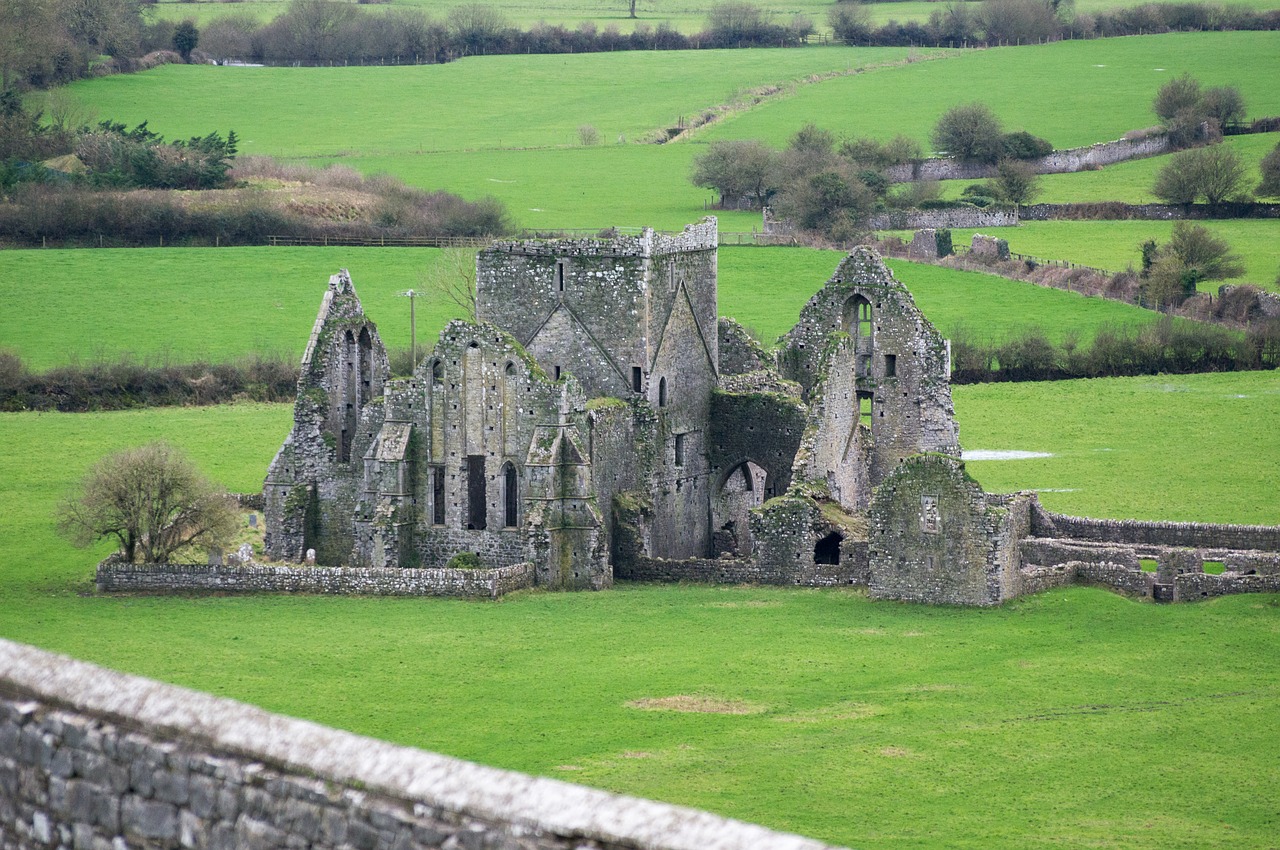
x=152 y=501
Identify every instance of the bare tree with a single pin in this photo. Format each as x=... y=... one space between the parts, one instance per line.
x=152 y=501
x=452 y=278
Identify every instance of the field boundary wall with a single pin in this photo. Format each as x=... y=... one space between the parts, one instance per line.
x=1057 y=162
x=94 y=758
x=116 y=577
x=1132 y=532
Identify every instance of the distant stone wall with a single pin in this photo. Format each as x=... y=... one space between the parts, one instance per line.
x=1117 y=211
x=1264 y=538
x=480 y=584
x=1058 y=162
x=1121 y=577
x=91 y=758
x=960 y=217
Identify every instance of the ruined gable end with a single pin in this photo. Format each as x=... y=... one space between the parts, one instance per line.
x=937 y=538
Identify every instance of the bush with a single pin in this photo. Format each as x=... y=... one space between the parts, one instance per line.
x=1213 y=173
x=1270 y=168
x=970 y=132
x=465 y=561
x=1023 y=145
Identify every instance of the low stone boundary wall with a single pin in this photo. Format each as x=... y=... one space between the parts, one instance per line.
x=1040 y=579
x=1048 y=553
x=1057 y=162
x=1121 y=577
x=852 y=570
x=1189 y=587
x=92 y=758
x=1119 y=211
x=957 y=217
x=477 y=584
x=1198 y=535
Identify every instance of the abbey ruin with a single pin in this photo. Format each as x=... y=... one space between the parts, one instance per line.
x=599 y=421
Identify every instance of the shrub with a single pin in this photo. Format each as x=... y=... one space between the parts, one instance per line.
x=465 y=561
x=1214 y=173
x=1023 y=145
x=969 y=132
x=1270 y=168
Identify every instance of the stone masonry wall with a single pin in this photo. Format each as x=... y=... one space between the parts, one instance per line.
x=1058 y=162
x=1136 y=532
x=480 y=583
x=91 y=758
x=852 y=570
x=960 y=217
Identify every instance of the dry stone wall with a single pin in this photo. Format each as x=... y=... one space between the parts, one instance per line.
x=114 y=577
x=1057 y=162
x=1131 y=532
x=97 y=760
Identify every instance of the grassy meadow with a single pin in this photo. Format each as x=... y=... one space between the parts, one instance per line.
x=1074 y=718
x=462 y=127
x=687 y=16
x=186 y=304
x=1062 y=707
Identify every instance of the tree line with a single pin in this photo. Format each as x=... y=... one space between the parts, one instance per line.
x=1166 y=346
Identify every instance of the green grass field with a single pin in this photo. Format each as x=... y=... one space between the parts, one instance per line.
x=222 y=303
x=878 y=724
x=687 y=17
x=463 y=128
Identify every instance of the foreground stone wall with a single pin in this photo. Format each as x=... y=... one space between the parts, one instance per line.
x=91 y=758
x=479 y=584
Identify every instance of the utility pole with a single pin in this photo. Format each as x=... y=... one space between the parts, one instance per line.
x=413 y=331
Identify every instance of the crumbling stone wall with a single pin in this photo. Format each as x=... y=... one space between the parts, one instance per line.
x=936 y=539
x=900 y=363
x=738 y=350
x=91 y=758
x=800 y=540
x=989 y=247
x=310 y=490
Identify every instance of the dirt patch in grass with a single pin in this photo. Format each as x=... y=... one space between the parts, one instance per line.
x=753 y=603
x=696 y=705
x=895 y=752
x=636 y=754
x=567 y=767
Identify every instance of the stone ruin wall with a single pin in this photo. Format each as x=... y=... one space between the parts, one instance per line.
x=115 y=577
x=1265 y=538
x=99 y=760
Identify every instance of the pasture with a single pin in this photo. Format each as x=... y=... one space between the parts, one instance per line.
x=687 y=16
x=1042 y=720
x=1075 y=718
x=221 y=303
x=463 y=128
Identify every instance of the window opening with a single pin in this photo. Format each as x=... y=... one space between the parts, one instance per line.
x=637 y=379
x=827 y=550
x=557 y=371
x=662 y=393
x=475 y=493
x=437 y=373
x=437 y=495
x=890 y=365
x=679 y=449
x=560 y=275
x=866 y=403
x=510 y=487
